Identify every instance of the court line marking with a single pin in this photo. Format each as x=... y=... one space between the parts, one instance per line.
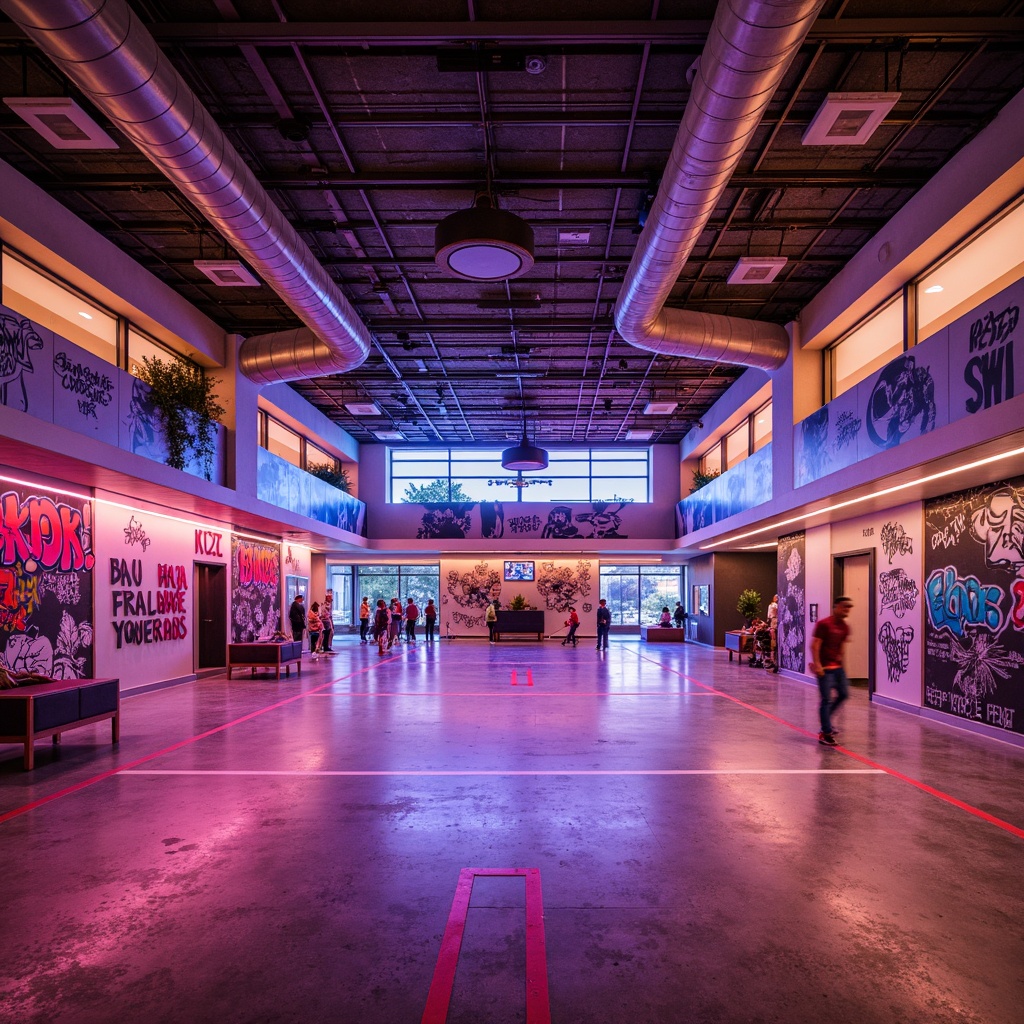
x=120 y=769
x=502 y=693
x=443 y=772
x=538 y=1005
x=977 y=812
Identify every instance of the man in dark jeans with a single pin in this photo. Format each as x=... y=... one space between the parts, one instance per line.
x=827 y=652
x=297 y=617
x=604 y=621
x=327 y=620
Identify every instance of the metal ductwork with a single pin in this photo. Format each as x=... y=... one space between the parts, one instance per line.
x=749 y=48
x=109 y=54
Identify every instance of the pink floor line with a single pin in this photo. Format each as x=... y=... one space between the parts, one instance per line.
x=939 y=794
x=86 y=783
x=538 y=1006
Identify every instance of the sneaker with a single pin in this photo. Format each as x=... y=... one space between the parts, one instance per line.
x=828 y=739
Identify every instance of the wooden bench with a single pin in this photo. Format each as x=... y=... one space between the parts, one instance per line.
x=267 y=654
x=30 y=713
x=663 y=634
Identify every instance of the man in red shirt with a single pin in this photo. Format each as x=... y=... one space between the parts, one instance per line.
x=827 y=643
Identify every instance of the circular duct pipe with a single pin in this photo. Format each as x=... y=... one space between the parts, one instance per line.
x=484 y=244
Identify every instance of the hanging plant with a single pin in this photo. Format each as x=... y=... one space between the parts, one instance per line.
x=335 y=476
x=184 y=400
x=701 y=479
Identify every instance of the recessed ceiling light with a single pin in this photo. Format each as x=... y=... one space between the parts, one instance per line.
x=660 y=408
x=933 y=289
x=82 y=313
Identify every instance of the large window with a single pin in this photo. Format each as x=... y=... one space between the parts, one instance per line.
x=750 y=436
x=637 y=593
x=866 y=348
x=294 y=447
x=573 y=474
x=420 y=582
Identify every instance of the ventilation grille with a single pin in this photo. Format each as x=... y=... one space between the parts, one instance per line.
x=61 y=121
x=227 y=273
x=849 y=118
x=660 y=408
x=756 y=269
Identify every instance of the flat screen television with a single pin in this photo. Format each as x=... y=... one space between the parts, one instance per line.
x=519 y=571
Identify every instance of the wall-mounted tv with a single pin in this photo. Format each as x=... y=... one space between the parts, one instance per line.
x=519 y=571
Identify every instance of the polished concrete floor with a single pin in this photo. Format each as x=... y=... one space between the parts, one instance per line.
x=264 y=851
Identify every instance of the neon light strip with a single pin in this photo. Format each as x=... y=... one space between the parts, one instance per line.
x=1006 y=826
x=208 y=524
x=538 y=1007
x=443 y=773
x=867 y=497
x=536 y=693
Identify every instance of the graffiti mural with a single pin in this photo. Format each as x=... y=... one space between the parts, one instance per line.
x=791 y=582
x=255 y=589
x=560 y=586
x=903 y=395
x=895 y=541
x=974 y=603
x=46 y=585
x=897 y=593
x=597 y=520
x=746 y=485
x=895 y=643
x=445 y=522
x=18 y=337
x=472 y=592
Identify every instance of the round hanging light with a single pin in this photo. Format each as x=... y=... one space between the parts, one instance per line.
x=484 y=244
x=524 y=457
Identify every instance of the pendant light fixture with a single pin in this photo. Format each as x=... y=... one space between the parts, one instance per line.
x=484 y=243
x=524 y=457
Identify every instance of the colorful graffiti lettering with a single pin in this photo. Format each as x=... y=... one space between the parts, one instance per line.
x=258 y=566
x=955 y=602
x=39 y=532
x=19 y=595
x=1017 y=590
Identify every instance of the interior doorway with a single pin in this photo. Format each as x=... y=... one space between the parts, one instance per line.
x=211 y=621
x=853 y=577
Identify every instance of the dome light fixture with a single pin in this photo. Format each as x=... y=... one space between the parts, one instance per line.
x=484 y=243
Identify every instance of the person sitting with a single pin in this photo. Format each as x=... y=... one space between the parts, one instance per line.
x=313 y=626
x=666 y=617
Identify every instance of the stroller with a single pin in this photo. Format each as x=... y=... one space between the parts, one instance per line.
x=762 y=655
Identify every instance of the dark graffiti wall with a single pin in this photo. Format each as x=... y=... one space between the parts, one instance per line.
x=791 y=581
x=46 y=583
x=255 y=589
x=747 y=484
x=974 y=600
x=959 y=371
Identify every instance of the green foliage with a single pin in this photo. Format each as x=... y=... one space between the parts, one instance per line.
x=749 y=604
x=335 y=476
x=184 y=399
x=701 y=479
x=518 y=604
x=436 y=490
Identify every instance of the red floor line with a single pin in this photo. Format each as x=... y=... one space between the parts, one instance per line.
x=939 y=794
x=86 y=783
x=538 y=1007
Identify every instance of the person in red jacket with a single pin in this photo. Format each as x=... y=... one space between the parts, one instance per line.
x=573 y=622
x=412 y=613
x=827 y=653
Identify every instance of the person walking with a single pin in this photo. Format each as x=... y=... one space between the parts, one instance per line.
x=429 y=618
x=382 y=627
x=827 y=653
x=327 y=623
x=297 y=617
x=604 y=621
x=395 y=627
x=491 y=618
x=412 y=613
x=364 y=621
x=313 y=627
x=573 y=622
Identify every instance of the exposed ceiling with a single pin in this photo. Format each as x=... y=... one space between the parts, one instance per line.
x=367 y=134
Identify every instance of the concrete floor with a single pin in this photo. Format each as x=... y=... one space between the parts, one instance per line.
x=702 y=858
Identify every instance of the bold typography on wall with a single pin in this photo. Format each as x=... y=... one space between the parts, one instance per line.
x=148 y=601
x=46 y=580
x=791 y=582
x=974 y=600
x=255 y=589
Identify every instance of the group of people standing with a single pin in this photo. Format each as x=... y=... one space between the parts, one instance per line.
x=318 y=623
x=386 y=627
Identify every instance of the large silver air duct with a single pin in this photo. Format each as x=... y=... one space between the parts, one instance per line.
x=109 y=54
x=749 y=48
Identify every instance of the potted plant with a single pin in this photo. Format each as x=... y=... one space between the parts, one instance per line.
x=518 y=604
x=184 y=399
x=749 y=605
x=336 y=477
